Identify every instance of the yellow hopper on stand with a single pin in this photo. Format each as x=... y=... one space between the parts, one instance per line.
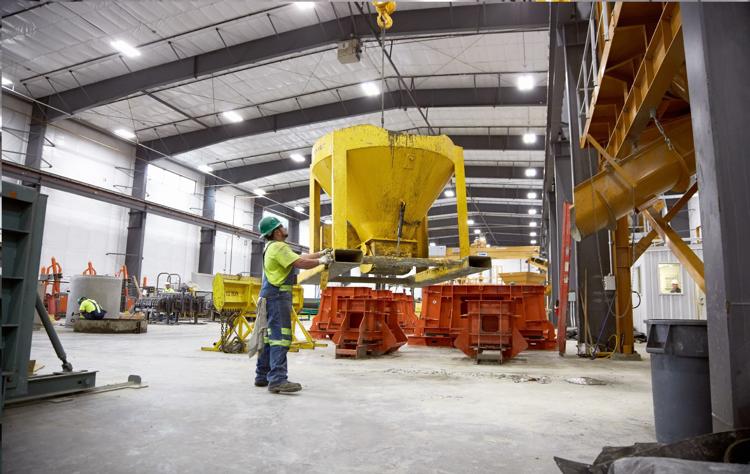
x=236 y=298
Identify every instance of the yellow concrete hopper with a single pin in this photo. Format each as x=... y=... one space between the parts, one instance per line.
x=382 y=185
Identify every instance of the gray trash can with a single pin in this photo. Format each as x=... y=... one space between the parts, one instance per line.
x=679 y=378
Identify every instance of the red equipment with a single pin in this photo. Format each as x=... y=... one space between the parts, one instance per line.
x=562 y=309
x=55 y=302
x=450 y=311
x=362 y=321
x=89 y=270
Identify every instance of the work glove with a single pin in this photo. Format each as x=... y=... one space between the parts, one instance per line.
x=326 y=259
x=328 y=251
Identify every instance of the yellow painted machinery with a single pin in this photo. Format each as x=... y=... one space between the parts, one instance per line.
x=382 y=185
x=235 y=297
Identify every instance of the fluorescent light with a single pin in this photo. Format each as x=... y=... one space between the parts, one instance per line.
x=432 y=244
x=531 y=195
x=530 y=172
x=529 y=138
x=125 y=48
x=525 y=82
x=532 y=224
x=298 y=157
x=7 y=82
x=449 y=193
x=232 y=116
x=299 y=208
x=305 y=5
x=327 y=221
x=477 y=231
x=370 y=88
x=470 y=221
x=259 y=192
x=205 y=168
x=126 y=134
x=532 y=234
x=532 y=212
x=533 y=242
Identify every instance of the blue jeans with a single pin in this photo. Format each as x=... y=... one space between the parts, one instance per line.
x=272 y=365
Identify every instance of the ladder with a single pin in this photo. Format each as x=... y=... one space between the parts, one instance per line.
x=562 y=308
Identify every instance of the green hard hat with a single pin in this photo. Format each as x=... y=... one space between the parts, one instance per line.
x=268 y=224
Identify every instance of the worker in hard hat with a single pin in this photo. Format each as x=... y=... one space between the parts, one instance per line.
x=90 y=309
x=675 y=287
x=168 y=288
x=279 y=263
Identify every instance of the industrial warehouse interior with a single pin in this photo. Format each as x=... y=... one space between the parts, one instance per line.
x=264 y=236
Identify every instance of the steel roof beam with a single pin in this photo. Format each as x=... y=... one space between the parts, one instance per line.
x=240 y=174
x=484 y=17
x=425 y=98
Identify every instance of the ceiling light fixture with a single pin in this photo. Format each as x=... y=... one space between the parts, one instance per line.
x=477 y=231
x=259 y=192
x=432 y=244
x=232 y=116
x=449 y=193
x=530 y=172
x=532 y=212
x=205 y=168
x=305 y=5
x=370 y=88
x=532 y=224
x=125 y=48
x=529 y=138
x=298 y=157
x=7 y=82
x=532 y=234
x=299 y=208
x=470 y=221
x=531 y=195
x=525 y=82
x=533 y=242
x=124 y=133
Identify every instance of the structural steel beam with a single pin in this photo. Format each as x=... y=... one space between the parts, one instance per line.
x=506 y=220
x=208 y=235
x=483 y=207
x=484 y=17
x=239 y=174
x=16 y=171
x=136 y=237
x=716 y=38
x=646 y=240
x=425 y=98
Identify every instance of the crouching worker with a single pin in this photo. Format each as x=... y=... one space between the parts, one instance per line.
x=279 y=264
x=90 y=309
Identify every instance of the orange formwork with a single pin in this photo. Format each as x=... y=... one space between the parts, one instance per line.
x=362 y=321
x=491 y=329
x=446 y=313
x=329 y=318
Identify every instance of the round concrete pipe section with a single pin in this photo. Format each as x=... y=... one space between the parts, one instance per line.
x=654 y=169
x=679 y=378
x=105 y=290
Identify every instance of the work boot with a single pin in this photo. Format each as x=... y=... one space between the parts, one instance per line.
x=261 y=383
x=285 y=387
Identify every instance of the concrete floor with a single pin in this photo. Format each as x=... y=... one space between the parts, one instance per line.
x=419 y=410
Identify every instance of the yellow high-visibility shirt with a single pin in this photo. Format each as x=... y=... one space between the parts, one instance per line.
x=89 y=306
x=168 y=290
x=277 y=264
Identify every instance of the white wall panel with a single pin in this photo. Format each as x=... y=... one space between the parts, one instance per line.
x=78 y=229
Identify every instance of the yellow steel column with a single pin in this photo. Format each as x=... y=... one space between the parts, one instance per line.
x=314 y=225
x=463 y=217
x=339 y=198
x=623 y=304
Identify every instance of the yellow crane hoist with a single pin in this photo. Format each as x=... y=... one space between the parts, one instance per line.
x=235 y=297
x=385 y=9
